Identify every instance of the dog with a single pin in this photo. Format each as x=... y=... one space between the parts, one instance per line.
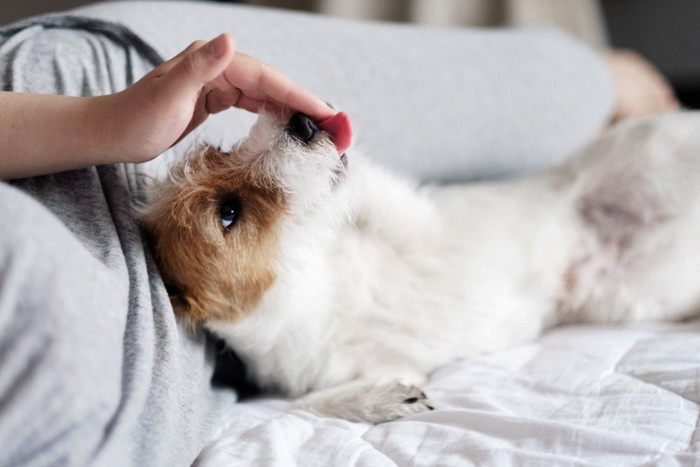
x=344 y=286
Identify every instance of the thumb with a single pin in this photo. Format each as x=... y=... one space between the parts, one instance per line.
x=197 y=68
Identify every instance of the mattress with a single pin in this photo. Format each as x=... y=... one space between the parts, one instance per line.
x=581 y=395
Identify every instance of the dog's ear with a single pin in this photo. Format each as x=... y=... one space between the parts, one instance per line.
x=188 y=307
x=180 y=304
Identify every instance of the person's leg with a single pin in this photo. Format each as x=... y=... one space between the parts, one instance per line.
x=94 y=367
x=434 y=103
x=61 y=332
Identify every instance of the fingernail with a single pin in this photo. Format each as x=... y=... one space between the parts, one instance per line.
x=217 y=46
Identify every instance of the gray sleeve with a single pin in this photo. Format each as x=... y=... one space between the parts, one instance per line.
x=435 y=103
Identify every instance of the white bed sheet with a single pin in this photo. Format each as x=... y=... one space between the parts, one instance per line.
x=582 y=395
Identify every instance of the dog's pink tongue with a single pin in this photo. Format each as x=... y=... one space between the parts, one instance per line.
x=340 y=129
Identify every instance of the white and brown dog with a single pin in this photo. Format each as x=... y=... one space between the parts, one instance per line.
x=336 y=280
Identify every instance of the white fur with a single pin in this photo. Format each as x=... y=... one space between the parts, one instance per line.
x=380 y=282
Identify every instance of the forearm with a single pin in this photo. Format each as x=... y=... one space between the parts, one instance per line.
x=42 y=134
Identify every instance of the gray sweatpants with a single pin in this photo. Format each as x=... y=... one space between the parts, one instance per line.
x=94 y=367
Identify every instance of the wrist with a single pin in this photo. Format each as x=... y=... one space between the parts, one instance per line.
x=124 y=127
x=104 y=143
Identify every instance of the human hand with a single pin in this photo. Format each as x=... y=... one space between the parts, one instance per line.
x=640 y=89
x=176 y=97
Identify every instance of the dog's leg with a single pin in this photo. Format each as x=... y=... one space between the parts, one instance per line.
x=639 y=194
x=367 y=401
x=639 y=175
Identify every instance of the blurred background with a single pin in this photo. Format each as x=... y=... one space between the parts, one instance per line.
x=666 y=32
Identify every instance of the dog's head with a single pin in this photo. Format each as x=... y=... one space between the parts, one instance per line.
x=216 y=222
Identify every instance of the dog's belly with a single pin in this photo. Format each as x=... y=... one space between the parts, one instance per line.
x=650 y=276
x=487 y=277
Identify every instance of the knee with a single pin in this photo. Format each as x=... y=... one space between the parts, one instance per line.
x=60 y=354
x=590 y=90
x=51 y=282
x=70 y=62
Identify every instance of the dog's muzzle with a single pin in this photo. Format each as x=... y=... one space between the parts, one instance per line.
x=302 y=127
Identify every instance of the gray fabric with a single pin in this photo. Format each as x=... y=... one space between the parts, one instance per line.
x=93 y=366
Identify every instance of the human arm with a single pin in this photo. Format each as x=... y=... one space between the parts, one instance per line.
x=42 y=134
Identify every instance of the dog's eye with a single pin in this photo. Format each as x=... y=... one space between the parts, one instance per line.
x=229 y=211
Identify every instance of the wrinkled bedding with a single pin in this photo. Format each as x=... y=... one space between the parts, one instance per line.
x=581 y=395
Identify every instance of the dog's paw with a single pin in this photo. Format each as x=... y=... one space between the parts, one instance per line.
x=368 y=402
x=395 y=400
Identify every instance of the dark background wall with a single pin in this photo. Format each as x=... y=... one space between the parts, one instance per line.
x=12 y=10
x=667 y=32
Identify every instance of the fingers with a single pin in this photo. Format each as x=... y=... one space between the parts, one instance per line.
x=259 y=82
x=196 y=66
x=170 y=64
x=230 y=79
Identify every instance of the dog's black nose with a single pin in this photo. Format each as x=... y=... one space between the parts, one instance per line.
x=301 y=127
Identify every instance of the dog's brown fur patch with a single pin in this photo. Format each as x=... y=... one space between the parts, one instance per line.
x=214 y=273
